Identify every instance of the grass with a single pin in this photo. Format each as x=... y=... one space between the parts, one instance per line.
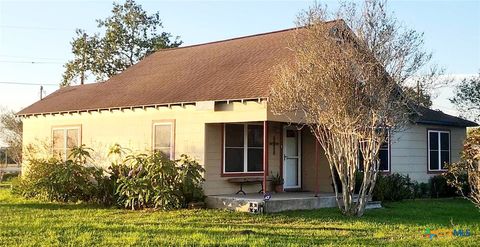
x=32 y=223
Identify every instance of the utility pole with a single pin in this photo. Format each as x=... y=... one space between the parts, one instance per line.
x=418 y=92
x=82 y=76
x=41 y=92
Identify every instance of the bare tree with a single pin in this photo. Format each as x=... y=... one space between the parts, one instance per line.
x=345 y=84
x=398 y=48
x=11 y=134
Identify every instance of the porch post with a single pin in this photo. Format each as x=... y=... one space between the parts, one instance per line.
x=316 y=167
x=265 y=155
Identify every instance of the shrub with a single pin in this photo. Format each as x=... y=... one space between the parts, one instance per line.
x=64 y=181
x=136 y=181
x=191 y=180
x=154 y=181
x=464 y=175
x=439 y=187
x=421 y=190
x=393 y=187
x=9 y=176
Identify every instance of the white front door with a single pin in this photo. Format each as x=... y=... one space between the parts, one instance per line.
x=292 y=154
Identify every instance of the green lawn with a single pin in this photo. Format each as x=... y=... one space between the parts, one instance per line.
x=26 y=222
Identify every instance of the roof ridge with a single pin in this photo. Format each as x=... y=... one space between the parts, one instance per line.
x=241 y=37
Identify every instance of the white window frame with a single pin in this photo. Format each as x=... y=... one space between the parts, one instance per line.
x=439 y=149
x=65 y=139
x=172 y=137
x=245 y=148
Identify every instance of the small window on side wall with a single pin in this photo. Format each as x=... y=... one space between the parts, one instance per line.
x=438 y=149
x=64 y=139
x=163 y=138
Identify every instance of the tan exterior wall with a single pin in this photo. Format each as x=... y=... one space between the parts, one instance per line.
x=133 y=129
x=409 y=153
x=218 y=184
x=308 y=165
x=198 y=133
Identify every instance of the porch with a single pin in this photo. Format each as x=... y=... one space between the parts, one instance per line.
x=278 y=202
x=238 y=153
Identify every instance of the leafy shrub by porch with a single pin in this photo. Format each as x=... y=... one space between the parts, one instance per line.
x=154 y=181
x=136 y=182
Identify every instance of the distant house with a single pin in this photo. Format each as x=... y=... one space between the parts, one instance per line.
x=211 y=101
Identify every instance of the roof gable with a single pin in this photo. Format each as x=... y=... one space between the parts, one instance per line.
x=238 y=68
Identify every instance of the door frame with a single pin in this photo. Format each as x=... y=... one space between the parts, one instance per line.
x=298 y=157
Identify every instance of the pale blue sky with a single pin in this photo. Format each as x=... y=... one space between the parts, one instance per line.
x=40 y=31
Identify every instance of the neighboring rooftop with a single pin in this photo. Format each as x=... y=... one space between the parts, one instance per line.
x=433 y=117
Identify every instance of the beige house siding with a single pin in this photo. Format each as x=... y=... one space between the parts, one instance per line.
x=308 y=165
x=409 y=153
x=133 y=129
x=198 y=133
x=216 y=183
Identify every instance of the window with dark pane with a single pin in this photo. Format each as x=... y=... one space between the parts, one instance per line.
x=255 y=148
x=243 y=148
x=234 y=159
x=255 y=159
x=383 y=156
x=234 y=148
x=234 y=136
x=434 y=160
x=438 y=149
x=433 y=140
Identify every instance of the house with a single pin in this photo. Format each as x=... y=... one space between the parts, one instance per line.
x=210 y=101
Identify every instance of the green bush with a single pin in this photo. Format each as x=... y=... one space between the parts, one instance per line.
x=7 y=177
x=65 y=181
x=190 y=180
x=421 y=190
x=136 y=181
x=439 y=187
x=393 y=187
x=154 y=181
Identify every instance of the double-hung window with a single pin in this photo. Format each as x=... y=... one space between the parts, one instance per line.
x=163 y=138
x=438 y=149
x=64 y=139
x=243 y=148
x=383 y=155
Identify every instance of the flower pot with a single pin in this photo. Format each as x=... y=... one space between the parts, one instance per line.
x=278 y=188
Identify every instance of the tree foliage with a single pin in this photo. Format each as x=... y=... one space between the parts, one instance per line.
x=345 y=83
x=467 y=98
x=129 y=35
x=11 y=134
x=418 y=96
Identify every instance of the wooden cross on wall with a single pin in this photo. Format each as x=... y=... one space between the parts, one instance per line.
x=274 y=143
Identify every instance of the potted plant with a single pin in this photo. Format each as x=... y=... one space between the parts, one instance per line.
x=277 y=183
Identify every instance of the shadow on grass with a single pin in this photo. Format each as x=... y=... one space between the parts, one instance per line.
x=53 y=206
x=410 y=212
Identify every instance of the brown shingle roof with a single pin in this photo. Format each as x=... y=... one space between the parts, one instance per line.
x=429 y=116
x=238 y=68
